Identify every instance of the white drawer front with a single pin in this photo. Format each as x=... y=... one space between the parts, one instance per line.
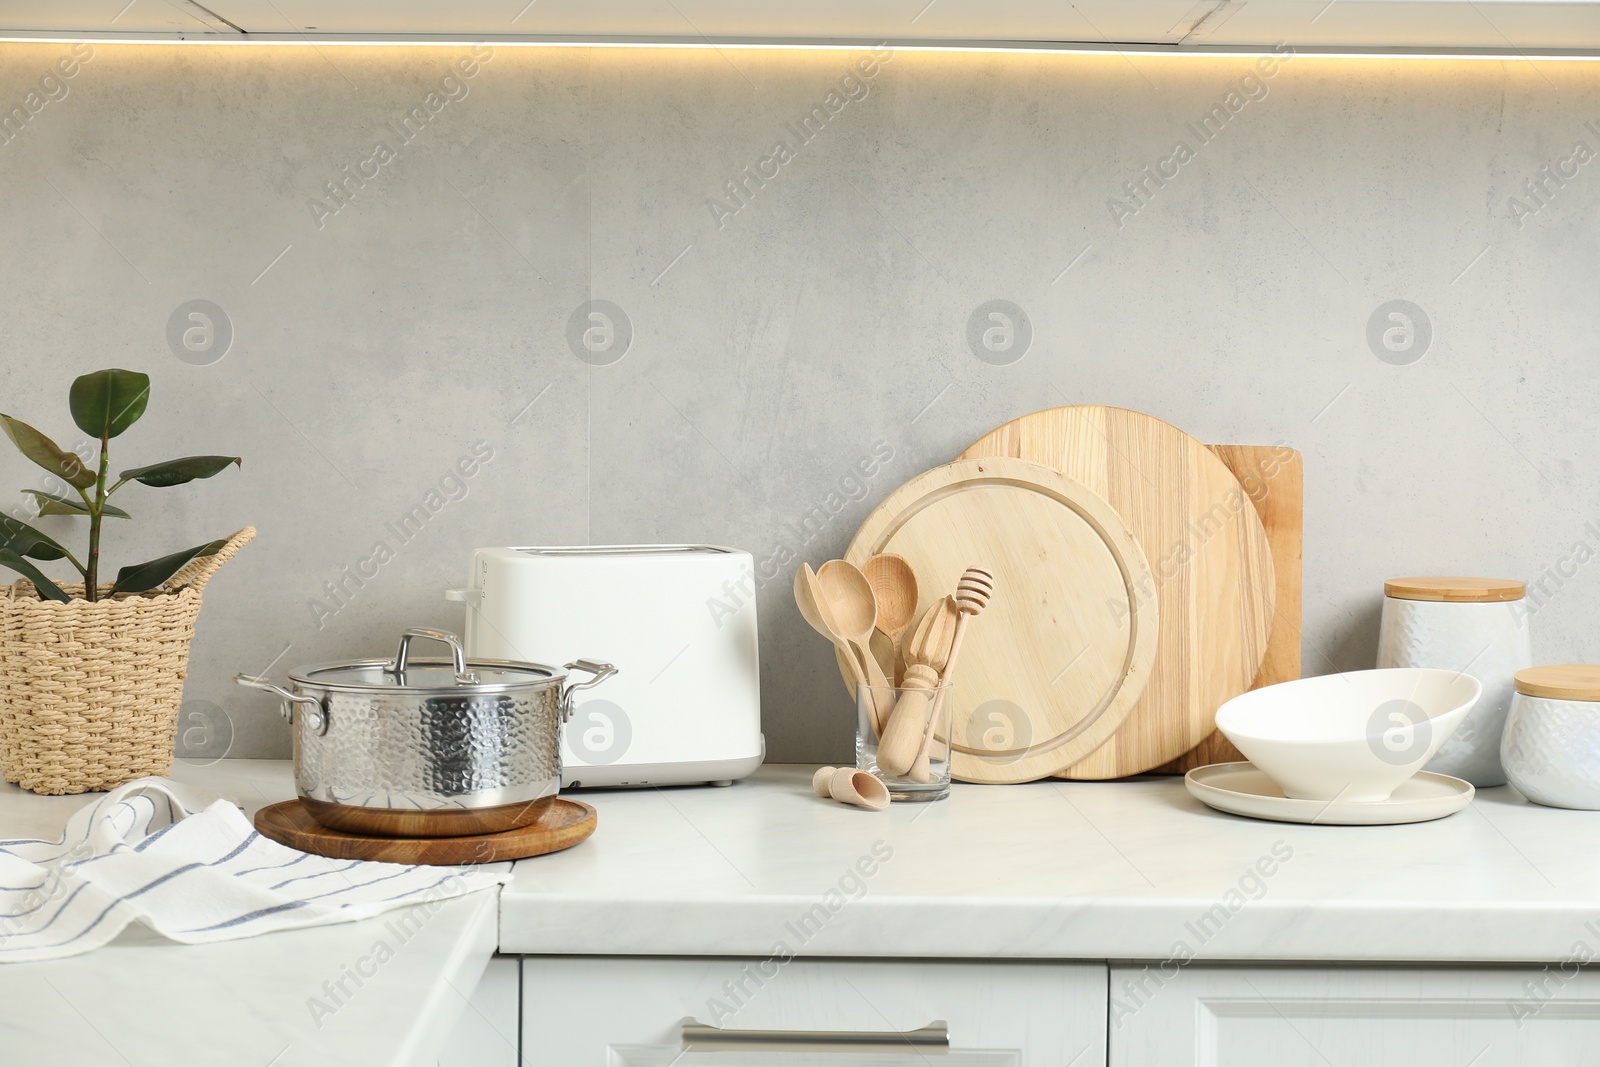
x=1214 y=1016
x=631 y=1011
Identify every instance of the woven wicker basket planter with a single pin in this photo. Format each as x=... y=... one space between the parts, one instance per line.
x=89 y=692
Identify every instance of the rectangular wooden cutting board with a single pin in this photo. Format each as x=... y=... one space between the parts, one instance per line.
x=1274 y=478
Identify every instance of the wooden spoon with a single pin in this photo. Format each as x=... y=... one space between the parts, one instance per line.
x=972 y=596
x=815 y=611
x=894 y=584
x=848 y=595
x=925 y=658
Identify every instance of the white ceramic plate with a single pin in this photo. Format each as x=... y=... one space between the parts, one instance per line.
x=1243 y=790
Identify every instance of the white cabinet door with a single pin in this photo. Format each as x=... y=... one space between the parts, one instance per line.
x=632 y=1012
x=486 y=1033
x=1220 y=1016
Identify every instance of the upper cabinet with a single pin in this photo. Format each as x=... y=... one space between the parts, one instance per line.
x=1508 y=26
x=1411 y=25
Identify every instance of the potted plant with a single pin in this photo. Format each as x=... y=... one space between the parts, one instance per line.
x=91 y=672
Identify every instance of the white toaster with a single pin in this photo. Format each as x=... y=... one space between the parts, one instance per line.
x=679 y=623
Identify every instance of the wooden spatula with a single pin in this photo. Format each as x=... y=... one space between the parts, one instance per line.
x=926 y=653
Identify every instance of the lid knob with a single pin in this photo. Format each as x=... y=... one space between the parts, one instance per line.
x=457 y=653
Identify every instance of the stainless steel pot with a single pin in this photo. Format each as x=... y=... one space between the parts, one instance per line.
x=428 y=748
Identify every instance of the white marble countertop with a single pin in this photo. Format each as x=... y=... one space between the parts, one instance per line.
x=1062 y=870
x=1066 y=870
x=143 y=1000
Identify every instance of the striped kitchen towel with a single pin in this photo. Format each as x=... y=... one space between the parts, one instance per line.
x=188 y=864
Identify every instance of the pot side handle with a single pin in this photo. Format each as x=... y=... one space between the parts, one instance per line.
x=318 y=719
x=601 y=672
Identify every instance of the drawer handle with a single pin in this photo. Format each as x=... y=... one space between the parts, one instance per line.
x=698 y=1037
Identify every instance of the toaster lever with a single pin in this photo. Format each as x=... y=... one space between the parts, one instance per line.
x=467 y=596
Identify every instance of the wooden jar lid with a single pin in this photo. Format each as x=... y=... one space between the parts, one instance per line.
x=1566 y=681
x=1455 y=590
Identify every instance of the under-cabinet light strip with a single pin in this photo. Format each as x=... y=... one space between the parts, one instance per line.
x=1069 y=48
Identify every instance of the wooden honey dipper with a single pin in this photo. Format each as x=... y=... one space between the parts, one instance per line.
x=972 y=596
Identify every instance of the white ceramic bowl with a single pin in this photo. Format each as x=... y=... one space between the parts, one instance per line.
x=1348 y=737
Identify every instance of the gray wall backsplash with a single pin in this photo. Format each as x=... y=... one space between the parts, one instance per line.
x=792 y=257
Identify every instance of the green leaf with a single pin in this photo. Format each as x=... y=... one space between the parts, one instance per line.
x=47 y=589
x=17 y=536
x=46 y=453
x=178 y=471
x=145 y=576
x=108 y=401
x=51 y=504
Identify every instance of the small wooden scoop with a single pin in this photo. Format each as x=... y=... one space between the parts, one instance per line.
x=850 y=786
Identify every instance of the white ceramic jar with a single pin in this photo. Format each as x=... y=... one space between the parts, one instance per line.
x=1551 y=747
x=1478 y=626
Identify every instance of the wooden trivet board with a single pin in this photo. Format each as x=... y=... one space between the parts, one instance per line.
x=1066 y=642
x=563 y=824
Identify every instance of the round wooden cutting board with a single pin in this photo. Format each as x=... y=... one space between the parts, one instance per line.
x=562 y=825
x=1206 y=546
x=1057 y=660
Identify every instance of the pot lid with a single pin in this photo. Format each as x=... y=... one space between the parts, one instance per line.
x=1453 y=590
x=425 y=674
x=404 y=672
x=1566 y=681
